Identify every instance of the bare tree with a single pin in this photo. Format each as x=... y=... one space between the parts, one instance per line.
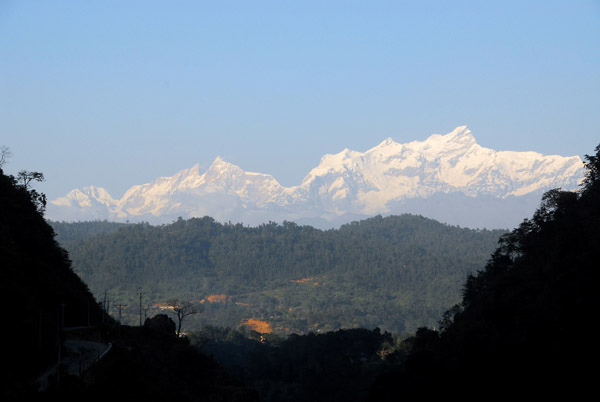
x=5 y=155
x=182 y=309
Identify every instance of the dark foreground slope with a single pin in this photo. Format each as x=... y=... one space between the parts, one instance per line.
x=525 y=322
x=40 y=292
x=337 y=366
x=150 y=363
x=51 y=317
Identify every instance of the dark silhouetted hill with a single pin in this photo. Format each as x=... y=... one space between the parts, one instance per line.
x=46 y=304
x=40 y=292
x=526 y=323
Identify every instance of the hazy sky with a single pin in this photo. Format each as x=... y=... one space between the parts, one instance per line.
x=117 y=93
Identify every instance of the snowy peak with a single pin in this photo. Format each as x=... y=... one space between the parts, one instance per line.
x=99 y=194
x=222 y=167
x=442 y=164
x=388 y=142
x=460 y=133
x=460 y=139
x=229 y=177
x=388 y=178
x=79 y=198
x=188 y=178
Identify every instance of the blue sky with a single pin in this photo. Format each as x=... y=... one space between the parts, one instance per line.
x=117 y=93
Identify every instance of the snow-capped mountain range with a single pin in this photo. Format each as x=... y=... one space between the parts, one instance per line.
x=446 y=177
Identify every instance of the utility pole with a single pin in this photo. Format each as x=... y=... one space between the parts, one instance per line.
x=146 y=311
x=120 y=307
x=107 y=306
x=58 y=343
x=104 y=307
x=62 y=315
x=40 y=333
x=141 y=294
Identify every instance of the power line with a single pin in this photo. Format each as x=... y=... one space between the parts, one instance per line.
x=141 y=294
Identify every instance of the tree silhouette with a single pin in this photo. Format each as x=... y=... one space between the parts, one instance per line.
x=5 y=154
x=24 y=178
x=182 y=309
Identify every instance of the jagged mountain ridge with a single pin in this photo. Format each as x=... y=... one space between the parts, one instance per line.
x=446 y=177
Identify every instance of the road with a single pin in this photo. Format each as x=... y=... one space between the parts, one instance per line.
x=77 y=358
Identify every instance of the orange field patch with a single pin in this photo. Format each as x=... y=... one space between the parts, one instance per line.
x=163 y=306
x=219 y=298
x=304 y=280
x=259 y=326
x=310 y=279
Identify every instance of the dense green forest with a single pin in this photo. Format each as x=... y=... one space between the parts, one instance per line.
x=396 y=273
x=68 y=232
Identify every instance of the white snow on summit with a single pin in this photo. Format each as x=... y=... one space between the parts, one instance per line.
x=388 y=178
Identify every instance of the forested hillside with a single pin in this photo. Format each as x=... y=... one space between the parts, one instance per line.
x=397 y=272
x=67 y=232
x=524 y=326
